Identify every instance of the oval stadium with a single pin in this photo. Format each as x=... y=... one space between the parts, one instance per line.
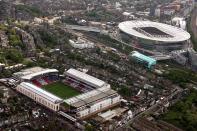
x=154 y=36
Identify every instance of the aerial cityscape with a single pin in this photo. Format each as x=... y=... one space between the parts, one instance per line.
x=98 y=65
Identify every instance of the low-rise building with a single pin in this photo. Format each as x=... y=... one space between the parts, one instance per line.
x=146 y=60
x=4 y=94
x=81 y=44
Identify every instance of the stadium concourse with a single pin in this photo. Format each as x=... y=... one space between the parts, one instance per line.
x=85 y=94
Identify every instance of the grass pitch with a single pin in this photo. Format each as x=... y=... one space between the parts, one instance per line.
x=61 y=90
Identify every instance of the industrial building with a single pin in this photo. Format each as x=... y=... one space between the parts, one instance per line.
x=39 y=95
x=95 y=101
x=155 y=36
x=147 y=61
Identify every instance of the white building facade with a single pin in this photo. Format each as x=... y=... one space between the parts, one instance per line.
x=39 y=95
x=98 y=107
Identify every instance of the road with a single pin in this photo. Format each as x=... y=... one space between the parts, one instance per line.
x=151 y=109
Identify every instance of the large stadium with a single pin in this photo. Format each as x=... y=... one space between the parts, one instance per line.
x=154 y=36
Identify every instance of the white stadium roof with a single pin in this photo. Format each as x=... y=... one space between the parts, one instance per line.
x=30 y=76
x=85 y=78
x=41 y=92
x=133 y=28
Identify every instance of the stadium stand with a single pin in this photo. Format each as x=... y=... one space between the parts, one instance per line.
x=153 y=31
x=45 y=80
x=82 y=81
x=39 y=95
x=92 y=102
x=35 y=82
x=37 y=76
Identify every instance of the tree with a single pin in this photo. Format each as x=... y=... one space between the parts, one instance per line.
x=125 y=91
x=14 y=55
x=89 y=127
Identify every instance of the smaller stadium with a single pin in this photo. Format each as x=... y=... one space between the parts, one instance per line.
x=48 y=80
x=76 y=93
x=154 y=36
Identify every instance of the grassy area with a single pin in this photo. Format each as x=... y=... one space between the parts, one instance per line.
x=184 y=113
x=61 y=90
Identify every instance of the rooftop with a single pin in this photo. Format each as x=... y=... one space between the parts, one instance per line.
x=90 y=97
x=85 y=78
x=148 y=59
x=30 y=76
x=94 y=98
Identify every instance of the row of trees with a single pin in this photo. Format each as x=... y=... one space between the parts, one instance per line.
x=12 y=55
x=183 y=114
x=181 y=76
x=32 y=10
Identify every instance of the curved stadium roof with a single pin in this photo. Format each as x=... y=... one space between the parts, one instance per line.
x=154 y=31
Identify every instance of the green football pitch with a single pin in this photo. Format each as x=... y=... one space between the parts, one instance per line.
x=61 y=90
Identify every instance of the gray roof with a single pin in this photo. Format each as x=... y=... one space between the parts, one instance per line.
x=90 y=97
x=30 y=76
